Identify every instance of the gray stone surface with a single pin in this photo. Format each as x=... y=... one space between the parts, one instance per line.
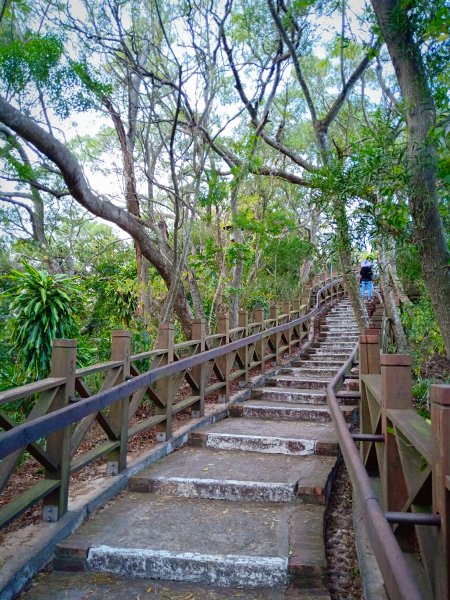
x=233 y=466
x=107 y=586
x=166 y=523
x=372 y=581
x=278 y=429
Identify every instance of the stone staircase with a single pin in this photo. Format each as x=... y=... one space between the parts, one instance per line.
x=241 y=506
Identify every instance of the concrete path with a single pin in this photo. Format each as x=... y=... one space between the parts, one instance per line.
x=240 y=509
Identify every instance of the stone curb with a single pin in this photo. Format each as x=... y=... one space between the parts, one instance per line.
x=371 y=579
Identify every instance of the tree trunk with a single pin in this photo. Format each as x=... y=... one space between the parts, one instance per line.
x=389 y=303
x=144 y=306
x=238 y=267
x=347 y=266
x=79 y=188
x=422 y=164
x=396 y=281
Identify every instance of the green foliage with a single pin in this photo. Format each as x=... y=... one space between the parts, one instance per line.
x=42 y=308
x=39 y=62
x=421 y=394
x=218 y=190
x=29 y=60
x=422 y=332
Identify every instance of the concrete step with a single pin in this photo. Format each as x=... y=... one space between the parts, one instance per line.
x=289 y=394
x=350 y=385
x=264 y=409
x=181 y=539
x=241 y=544
x=348 y=397
x=199 y=472
x=311 y=363
x=331 y=329
x=292 y=377
x=268 y=437
x=318 y=372
x=336 y=345
x=59 y=585
x=331 y=337
x=322 y=354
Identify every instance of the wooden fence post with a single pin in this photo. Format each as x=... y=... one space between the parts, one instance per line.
x=276 y=337
x=198 y=372
x=296 y=305
x=244 y=353
x=396 y=394
x=118 y=414
x=440 y=428
x=164 y=387
x=369 y=364
x=376 y=320
x=288 y=334
x=260 y=345
x=306 y=298
x=369 y=354
x=63 y=364
x=223 y=362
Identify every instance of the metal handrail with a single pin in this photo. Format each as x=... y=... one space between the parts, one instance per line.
x=24 y=434
x=397 y=576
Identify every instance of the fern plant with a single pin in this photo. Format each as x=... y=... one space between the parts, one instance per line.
x=42 y=308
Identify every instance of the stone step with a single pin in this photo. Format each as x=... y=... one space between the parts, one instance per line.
x=181 y=539
x=310 y=363
x=351 y=385
x=348 y=396
x=235 y=475
x=328 y=337
x=291 y=395
x=331 y=329
x=340 y=317
x=292 y=377
x=264 y=409
x=318 y=372
x=266 y=547
x=338 y=346
x=268 y=437
x=319 y=354
x=59 y=585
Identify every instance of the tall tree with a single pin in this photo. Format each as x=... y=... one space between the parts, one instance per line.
x=398 y=31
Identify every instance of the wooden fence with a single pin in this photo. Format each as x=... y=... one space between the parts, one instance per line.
x=410 y=459
x=133 y=393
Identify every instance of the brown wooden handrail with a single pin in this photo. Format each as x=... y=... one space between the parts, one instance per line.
x=397 y=575
x=26 y=433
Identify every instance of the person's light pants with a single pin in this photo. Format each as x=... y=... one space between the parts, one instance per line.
x=366 y=285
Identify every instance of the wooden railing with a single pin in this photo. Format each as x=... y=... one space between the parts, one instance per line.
x=401 y=474
x=133 y=393
x=412 y=462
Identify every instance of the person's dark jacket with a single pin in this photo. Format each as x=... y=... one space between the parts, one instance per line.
x=366 y=273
